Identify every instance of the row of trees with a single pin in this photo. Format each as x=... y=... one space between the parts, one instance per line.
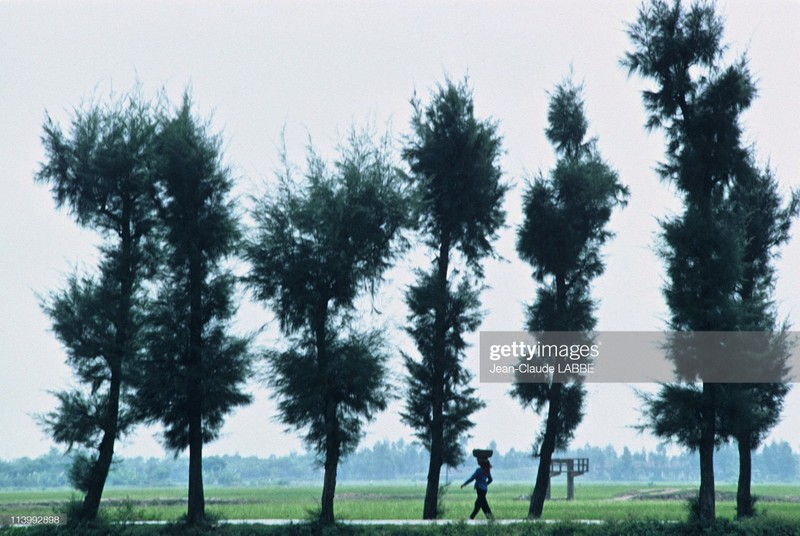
x=148 y=334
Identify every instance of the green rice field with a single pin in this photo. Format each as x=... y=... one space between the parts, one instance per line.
x=617 y=502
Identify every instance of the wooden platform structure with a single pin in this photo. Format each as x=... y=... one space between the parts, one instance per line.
x=572 y=467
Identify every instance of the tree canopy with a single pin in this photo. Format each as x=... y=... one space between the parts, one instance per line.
x=318 y=245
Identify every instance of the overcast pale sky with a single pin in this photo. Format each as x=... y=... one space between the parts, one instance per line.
x=317 y=67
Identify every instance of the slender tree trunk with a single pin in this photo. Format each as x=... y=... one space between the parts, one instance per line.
x=105 y=454
x=706 y=496
x=431 y=505
x=196 y=502
x=546 y=453
x=332 y=454
x=706 y=500
x=101 y=467
x=332 y=432
x=744 y=498
x=196 y=511
x=553 y=406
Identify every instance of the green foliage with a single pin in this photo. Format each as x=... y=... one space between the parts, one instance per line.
x=462 y=315
x=672 y=413
x=668 y=41
x=357 y=388
x=199 y=215
x=101 y=327
x=76 y=421
x=82 y=316
x=607 y=503
x=452 y=157
x=569 y=411
x=101 y=169
x=102 y=173
x=566 y=122
x=565 y=218
x=751 y=410
x=165 y=398
x=329 y=239
x=316 y=247
x=697 y=101
x=623 y=528
x=440 y=505
x=81 y=470
x=719 y=251
x=756 y=201
x=127 y=511
x=396 y=462
x=188 y=322
x=703 y=255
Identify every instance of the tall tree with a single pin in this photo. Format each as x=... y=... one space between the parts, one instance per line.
x=564 y=228
x=697 y=102
x=750 y=411
x=194 y=370
x=452 y=157
x=101 y=171
x=316 y=248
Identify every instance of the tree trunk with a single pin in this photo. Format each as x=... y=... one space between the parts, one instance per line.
x=332 y=453
x=431 y=505
x=100 y=468
x=540 y=489
x=196 y=503
x=744 y=498
x=105 y=452
x=546 y=453
x=196 y=511
x=706 y=497
x=332 y=433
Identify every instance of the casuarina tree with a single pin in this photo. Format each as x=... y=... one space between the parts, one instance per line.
x=317 y=247
x=101 y=171
x=452 y=158
x=750 y=410
x=744 y=412
x=566 y=215
x=698 y=101
x=194 y=369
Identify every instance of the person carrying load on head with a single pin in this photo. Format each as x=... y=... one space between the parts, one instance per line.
x=482 y=477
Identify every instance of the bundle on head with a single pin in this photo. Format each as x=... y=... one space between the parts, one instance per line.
x=482 y=453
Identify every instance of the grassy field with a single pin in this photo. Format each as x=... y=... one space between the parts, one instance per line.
x=618 y=502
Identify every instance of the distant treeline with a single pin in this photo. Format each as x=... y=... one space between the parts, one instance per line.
x=401 y=461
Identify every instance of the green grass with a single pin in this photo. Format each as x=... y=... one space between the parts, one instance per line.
x=617 y=502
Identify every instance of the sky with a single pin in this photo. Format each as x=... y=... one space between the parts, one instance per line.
x=312 y=70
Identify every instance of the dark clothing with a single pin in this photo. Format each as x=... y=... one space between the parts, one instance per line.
x=481 y=504
x=482 y=480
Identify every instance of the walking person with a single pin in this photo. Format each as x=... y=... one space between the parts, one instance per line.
x=482 y=477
